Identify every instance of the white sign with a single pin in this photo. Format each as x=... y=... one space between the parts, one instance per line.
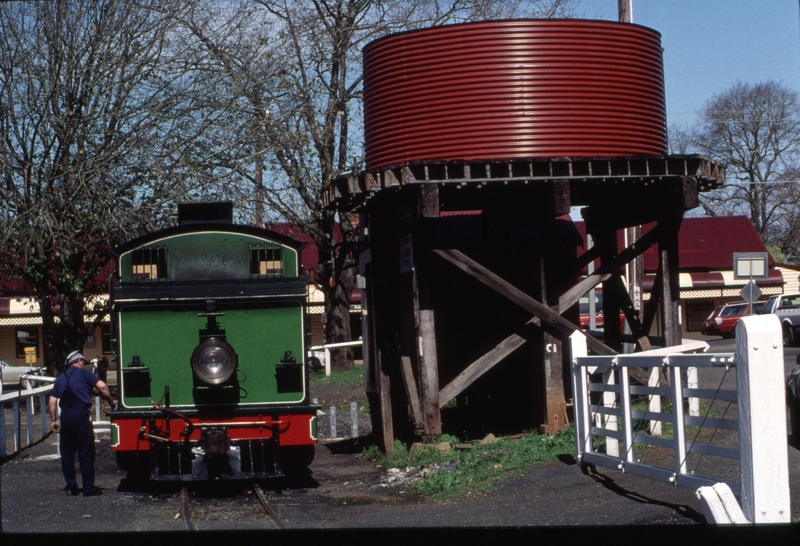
x=747 y=265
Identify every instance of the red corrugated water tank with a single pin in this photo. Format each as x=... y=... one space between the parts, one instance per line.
x=524 y=88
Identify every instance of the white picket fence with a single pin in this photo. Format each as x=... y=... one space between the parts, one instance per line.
x=605 y=415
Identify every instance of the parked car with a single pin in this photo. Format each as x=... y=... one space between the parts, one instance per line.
x=722 y=322
x=787 y=308
x=793 y=405
x=11 y=374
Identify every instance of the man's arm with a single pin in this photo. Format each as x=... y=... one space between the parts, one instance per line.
x=52 y=407
x=104 y=392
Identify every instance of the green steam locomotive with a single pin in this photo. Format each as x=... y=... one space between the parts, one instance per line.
x=208 y=321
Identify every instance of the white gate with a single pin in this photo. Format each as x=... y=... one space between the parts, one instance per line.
x=625 y=418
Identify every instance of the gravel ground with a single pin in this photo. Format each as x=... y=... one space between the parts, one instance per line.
x=344 y=491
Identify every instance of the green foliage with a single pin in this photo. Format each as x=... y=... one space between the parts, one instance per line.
x=776 y=254
x=450 y=439
x=352 y=376
x=474 y=470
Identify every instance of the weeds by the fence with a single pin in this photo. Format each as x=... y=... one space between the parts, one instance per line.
x=475 y=469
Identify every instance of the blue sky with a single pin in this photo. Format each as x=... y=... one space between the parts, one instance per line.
x=710 y=44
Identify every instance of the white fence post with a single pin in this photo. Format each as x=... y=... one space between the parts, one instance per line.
x=354 y=419
x=334 y=433
x=583 y=424
x=764 y=455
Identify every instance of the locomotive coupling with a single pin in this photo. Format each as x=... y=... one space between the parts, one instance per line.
x=216 y=442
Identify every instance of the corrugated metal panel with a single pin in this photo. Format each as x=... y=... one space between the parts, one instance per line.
x=513 y=89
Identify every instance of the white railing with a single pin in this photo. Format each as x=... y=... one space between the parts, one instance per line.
x=16 y=397
x=605 y=415
x=323 y=352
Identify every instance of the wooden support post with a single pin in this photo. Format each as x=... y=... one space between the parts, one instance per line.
x=380 y=269
x=605 y=238
x=411 y=391
x=425 y=217
x=555 y=408
x=670 y=286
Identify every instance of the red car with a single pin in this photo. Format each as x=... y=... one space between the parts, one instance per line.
x=599 y=317
x=722 y=322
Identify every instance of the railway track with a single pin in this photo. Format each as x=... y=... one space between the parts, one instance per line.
x=269 y=510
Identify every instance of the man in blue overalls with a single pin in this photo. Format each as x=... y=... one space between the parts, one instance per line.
x=74 y=389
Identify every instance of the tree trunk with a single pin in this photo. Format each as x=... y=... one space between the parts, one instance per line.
x=337 y=310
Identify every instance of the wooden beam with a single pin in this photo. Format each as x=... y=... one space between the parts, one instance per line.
x=386 y=433
x=651 y=305
x=630 y=315
x=411 y=391
x=571 y=296
x=480 y=367
x=506 y=289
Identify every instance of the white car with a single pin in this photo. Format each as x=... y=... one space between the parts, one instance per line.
x=11 y=374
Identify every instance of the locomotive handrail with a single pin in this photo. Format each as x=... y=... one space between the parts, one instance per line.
x=167 y=411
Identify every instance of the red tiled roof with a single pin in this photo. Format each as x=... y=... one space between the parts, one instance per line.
x=704 y=244
x=309 y=254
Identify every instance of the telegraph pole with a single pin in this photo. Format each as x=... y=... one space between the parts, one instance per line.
x=635 y=269
x=625 y=11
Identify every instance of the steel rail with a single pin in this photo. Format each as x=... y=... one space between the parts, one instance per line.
x=268 y=507
x=190 y=526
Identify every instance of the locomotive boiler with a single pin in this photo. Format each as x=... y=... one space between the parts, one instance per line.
x=208 y=321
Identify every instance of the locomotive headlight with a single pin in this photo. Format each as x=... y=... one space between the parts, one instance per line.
x=214 y=361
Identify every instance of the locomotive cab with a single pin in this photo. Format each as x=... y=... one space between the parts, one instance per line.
x=209 y=322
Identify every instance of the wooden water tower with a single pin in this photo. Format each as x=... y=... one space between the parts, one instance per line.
x=480 y=139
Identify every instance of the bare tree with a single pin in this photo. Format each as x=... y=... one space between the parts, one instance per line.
x=294 y=68
x=753 y=129
x=95 y=115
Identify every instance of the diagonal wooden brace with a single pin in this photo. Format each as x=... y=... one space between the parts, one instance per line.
x=506 y=289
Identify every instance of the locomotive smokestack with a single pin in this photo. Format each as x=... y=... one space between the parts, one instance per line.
x=205 y=212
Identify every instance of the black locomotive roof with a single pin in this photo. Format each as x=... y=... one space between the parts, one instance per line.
x=209 y=227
